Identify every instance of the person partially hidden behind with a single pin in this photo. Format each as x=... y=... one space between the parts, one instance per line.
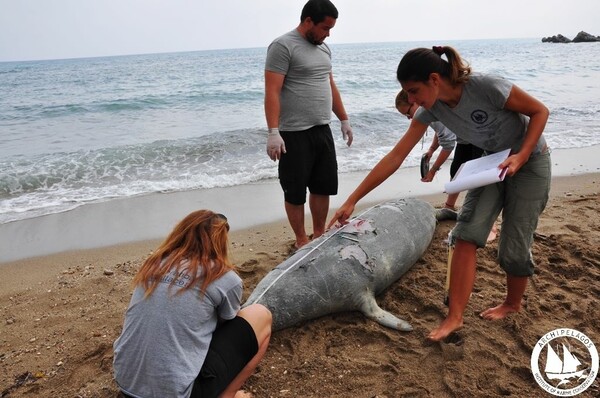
x=463 y=152
x=184 y=334
x=447 y=140
x=300 y=95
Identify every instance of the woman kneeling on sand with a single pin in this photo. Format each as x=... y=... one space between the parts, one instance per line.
x=184 y=333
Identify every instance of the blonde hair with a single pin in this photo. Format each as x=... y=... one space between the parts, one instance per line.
x=402 y=99
x=197 y=243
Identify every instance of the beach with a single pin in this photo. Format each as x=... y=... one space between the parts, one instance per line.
x=61 y=312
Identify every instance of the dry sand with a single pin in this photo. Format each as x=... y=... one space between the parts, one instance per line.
x=61 y=313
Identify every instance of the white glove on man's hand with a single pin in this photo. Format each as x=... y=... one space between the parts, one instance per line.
x=347 y=132
x=275 y=144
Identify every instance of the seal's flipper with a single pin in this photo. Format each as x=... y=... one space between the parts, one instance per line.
x=371 y=310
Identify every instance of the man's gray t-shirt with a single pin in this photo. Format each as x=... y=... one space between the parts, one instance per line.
x=480 y=119
x=306 y=97
x=166 y=336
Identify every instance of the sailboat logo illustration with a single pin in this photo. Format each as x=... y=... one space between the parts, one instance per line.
x=563 y=369
x=571 y=363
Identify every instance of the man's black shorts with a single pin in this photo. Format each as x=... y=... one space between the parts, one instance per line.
x=309 y=162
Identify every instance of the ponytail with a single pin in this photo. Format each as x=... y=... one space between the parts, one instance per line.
x=419 y=63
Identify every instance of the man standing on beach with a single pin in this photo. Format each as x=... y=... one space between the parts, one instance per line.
x=300 y=94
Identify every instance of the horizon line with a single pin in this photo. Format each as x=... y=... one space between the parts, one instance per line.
x=242 y=48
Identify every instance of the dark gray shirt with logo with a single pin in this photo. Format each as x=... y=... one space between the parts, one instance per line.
x=480 y=119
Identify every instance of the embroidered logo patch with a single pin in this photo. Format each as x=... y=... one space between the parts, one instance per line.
x=479 y=116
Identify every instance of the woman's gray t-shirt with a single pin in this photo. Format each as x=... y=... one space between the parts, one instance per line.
x=446 y=138
x=480 y=119
x=166 y=336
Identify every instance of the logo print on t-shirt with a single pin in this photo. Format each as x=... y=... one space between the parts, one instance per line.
x=479 y=116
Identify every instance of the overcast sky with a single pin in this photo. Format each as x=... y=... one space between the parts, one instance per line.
x=51 y=29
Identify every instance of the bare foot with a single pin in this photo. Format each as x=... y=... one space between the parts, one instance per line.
x=299 y=245
x=499 y=312
x=445 y=329
x=295 y=246
x=243 y=394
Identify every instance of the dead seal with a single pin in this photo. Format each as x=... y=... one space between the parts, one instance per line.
x=346 y=268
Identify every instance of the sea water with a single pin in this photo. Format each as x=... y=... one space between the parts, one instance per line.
x=77 y=131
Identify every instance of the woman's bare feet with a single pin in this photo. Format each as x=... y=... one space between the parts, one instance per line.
x=499 y=312
x=447 y=327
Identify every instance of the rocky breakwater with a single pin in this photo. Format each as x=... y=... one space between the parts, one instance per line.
x=582 y=37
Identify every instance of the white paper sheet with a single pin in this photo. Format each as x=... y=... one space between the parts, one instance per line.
x=478 y=172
